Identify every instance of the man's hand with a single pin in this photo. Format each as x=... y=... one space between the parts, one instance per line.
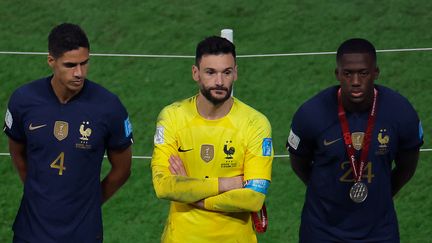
x=176 y=166
x=199 y=204
x=230 y=183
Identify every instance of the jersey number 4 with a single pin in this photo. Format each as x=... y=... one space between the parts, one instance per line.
x=58 y=163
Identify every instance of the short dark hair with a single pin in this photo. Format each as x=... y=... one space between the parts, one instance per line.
x=66 y=37
x=356 y=45
x=214 y=45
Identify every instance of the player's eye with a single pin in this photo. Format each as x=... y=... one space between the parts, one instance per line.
x=210 y=72
x=69 y=65
x=364 y=73
x=84 y=63
x=347 y=74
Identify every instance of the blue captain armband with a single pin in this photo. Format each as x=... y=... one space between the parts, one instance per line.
x=258 y=185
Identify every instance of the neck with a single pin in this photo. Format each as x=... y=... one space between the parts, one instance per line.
x=363 y=106
x=62 y=93
x=210 y=111
x=357 y=107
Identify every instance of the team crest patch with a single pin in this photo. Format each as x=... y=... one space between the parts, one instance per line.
x=85 y=132
x=267 y=147
x=159 y=135
x=61 y=130
x=357 y=140
x=293 y=140
x=8 y=119
x=229 y=152
x=127 y=127
x=383 y=140
x=207 y=152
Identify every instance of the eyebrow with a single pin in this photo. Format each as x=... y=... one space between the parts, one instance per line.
x=355 y=70
x=75 y=63
x=210 y=68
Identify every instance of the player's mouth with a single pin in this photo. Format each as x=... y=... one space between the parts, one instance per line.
x=357 y=93
x=219 y=90
x=77 y=82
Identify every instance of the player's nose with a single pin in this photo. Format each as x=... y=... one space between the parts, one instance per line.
x=78 y=71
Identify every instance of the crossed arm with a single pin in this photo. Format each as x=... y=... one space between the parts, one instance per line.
x=223 y=194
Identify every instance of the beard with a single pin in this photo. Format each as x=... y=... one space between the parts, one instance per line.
x=206 y=92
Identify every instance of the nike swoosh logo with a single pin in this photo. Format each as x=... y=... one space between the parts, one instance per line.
x=183 y=150
x=31 y=127
x=327 y=143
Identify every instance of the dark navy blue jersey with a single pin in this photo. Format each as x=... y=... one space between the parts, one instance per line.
x=329 y=215
x=65 y=145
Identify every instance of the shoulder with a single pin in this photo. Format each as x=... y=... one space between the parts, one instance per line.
x=95 y=90
x=322 y=105
x=325 y=99
x=247 y=110
x=35 y=86
x=249 y=113
x=315 y=115
x=98 y=95
x=389 y=95
x=393 y=103
x=35 y=89
x=179 y=109
x=181 y=106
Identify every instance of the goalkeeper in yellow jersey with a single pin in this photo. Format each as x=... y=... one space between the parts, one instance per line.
x=212 y=155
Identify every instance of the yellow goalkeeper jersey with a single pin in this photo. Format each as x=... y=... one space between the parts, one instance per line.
x=237 y=144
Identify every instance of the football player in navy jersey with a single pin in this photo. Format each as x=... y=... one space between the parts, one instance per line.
x=59 y=128
x=354 y=145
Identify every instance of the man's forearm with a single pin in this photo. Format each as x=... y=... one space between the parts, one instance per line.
x=111 y=183
x=302 y=167
x=238 y=200
x=405 y=167
x=183 y=189
x=399 y=178
x=19 y=158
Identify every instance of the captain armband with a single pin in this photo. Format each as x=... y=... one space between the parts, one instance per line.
x=258 y=185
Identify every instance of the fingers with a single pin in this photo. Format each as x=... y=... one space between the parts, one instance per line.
x=176 y=166
x=173 y=171
x=239 y=181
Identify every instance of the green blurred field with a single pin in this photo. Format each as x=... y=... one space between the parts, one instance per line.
x=274 y=85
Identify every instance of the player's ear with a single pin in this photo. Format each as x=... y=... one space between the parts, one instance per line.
x=376 y=73
x=195 y=73
x=235 y=73
x=50 y=60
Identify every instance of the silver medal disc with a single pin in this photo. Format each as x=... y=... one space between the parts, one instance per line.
x=358 y=192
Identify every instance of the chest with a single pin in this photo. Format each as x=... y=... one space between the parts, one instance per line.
x=383 y=142
x=212 y=150
x=69 y=127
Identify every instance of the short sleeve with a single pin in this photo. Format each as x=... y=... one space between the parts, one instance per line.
x=300 y=139
x=13 y=126
x=120 y=127
x=410 y=131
